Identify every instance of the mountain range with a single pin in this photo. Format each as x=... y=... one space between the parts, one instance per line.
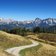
x=10 y=24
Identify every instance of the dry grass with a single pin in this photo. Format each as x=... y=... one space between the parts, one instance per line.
x=11 y=40
x=48 y=37
x=47 y=50
x=30 y=51
x=2 y=53
x=44 y=50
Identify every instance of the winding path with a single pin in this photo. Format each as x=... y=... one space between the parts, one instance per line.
x=15 y=50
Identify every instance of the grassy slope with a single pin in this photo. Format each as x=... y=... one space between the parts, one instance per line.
x=48 y=37
x=45 y=50
x=45 y=38
x=10 y=40
x=41 y=50
x=30 y=51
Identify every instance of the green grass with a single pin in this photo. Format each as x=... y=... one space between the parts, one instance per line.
x=29 y=51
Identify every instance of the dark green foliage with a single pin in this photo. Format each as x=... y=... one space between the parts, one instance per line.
x=24 y=31
x=51 y=29
x=6 y=30
x=36 y=29
x=20 y=31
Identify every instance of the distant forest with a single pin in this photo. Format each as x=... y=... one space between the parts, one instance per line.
x=24 y=31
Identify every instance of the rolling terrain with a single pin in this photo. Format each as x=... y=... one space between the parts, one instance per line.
x=16 y=50
x=44 y=49
x=9 y=41
x=12 y=44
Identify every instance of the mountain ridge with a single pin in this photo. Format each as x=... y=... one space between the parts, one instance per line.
x=9 y=23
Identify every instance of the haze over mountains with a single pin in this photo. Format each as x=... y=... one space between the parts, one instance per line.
x=9 y=23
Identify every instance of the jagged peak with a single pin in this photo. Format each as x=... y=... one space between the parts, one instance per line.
x=37 y=18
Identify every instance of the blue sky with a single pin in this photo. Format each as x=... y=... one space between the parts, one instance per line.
x=27 y=9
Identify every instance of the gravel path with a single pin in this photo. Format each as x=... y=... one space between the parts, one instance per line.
x=15 y=50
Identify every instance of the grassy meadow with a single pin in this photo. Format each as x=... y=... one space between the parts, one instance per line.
x=10 y=40
x=47 y=47
x=48 y=38
x=41 y=50
x=30 y=51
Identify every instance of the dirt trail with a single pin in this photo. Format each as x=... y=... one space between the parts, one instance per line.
x=15 y=50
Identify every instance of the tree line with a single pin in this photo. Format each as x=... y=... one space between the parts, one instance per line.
x=24 y=31
x=18 y=31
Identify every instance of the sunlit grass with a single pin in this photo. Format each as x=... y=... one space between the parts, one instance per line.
x=11 y=40
x=41 y=50
x=30 y=51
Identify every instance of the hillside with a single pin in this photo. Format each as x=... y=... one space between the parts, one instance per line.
x=44 y=49
x=11 y=40
x=41 y=50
